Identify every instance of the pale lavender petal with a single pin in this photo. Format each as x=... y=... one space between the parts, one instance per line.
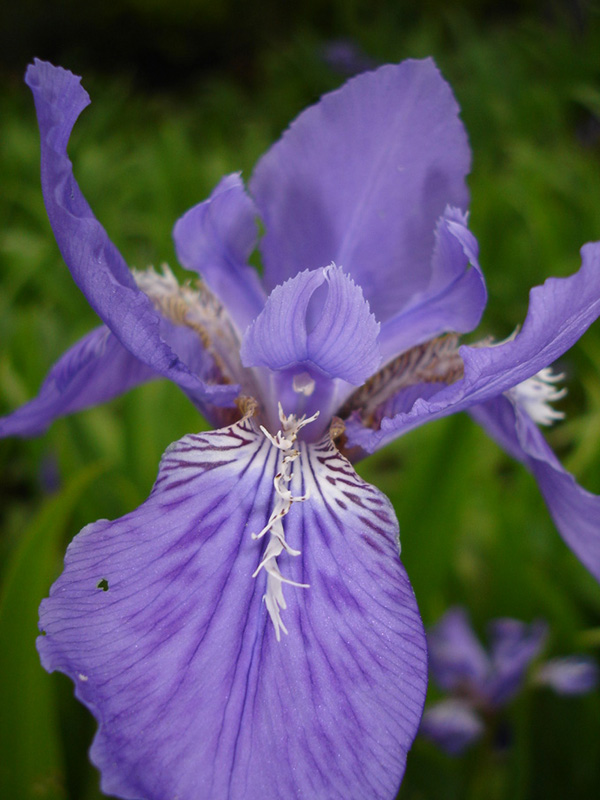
x=455 y=297
x=514 y=645
x=452 y=725
x=570 y=675
x=361 y=178
x=215 y=238
x=318 y=320
x=94 y=370
x=575 y=511
x=456 y=658
x=95 y=263
x=163 y=629
x=560 y=311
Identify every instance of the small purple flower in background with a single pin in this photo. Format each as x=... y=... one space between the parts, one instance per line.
x=346 y=57
x=249 y=631
x=480 y=683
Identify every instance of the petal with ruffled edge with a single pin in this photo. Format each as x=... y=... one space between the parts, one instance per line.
x=514 y=645
x=317 y=320
x=215 y=238
x=560 y=311
x=159 y=622
x=456 y=658
x=361 y=179
x=455 y=298
x=452 y=725
x=575 y=511
x=95 y=263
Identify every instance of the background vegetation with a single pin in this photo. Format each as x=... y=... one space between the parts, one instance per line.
x=184 y=92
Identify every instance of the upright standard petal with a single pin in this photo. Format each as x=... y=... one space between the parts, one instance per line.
x=575 y=511
x=215 y=238
x=318 y=320
x=361 y=179
x=456 y=295
x=514 y=646
x=95 y=263
x=94 y=370
x=160 y=623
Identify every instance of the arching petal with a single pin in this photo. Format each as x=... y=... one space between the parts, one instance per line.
x=361 y=178
x=163 y=629
x=94 y=370
x=560 y=311
x=98 y=368
x=575 y=511
x=95 y=263
x=455 y=298
x=215 y=238
x=318 y=320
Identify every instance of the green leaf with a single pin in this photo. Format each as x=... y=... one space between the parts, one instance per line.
x=31 y=767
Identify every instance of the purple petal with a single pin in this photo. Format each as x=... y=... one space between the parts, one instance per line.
x=163 y=629
x=215 y=238
x=514 y=646
x=455 y=297
x=457 y=661
x=575 y=511
x=95 y=263
x=570 y=675
x=560 y=311
x=93 y=371
x=452 y=725
x=317 y=320
x=361 y=178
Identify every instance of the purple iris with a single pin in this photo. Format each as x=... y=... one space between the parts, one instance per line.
x=480 y=683
x=249 y=631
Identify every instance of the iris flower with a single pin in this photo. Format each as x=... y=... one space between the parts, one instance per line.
x=249 y=631
x=480 y=683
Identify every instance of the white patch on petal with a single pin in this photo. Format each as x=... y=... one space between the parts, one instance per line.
x=304 y=384
x=535 y=395
x=284 y=440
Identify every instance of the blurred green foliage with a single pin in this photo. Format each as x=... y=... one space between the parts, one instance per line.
x=195 y=90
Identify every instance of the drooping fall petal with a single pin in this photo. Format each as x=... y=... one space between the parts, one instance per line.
x=163 y=629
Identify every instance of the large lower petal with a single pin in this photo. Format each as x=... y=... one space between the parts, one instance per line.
x=560 y=311
x=95 y=263
x=361 y=179
x=163 y=629
x=575 y=511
